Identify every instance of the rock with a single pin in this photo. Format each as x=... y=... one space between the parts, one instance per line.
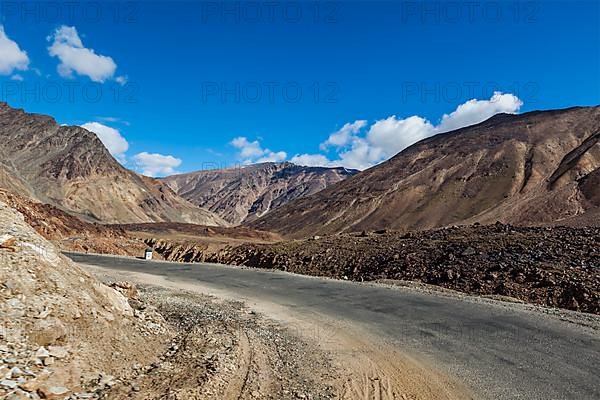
x=116 y=299
x=30 y=386
x=106 y=380
x=47 y=331
x=18 y=395
x=53 y=392
x=469 y=251
x=8 y=383
x=42 y=353
x=58 y=351
x=43 y=314
x=8 y=242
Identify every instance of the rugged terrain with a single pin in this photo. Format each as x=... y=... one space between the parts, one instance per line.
x=71 y=233
x=61 y=330
x=529 y=169
x=248 y=192
x=551 y=266
x=65 y=335
x=68 y=167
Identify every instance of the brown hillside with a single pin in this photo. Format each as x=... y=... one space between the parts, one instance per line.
x=534 y=168
x=68 y=167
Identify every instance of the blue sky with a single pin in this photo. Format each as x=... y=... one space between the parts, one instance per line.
x=181 y=86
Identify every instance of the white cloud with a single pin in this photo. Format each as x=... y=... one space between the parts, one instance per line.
x=271 y=156
x=74 y=57
x=110 y=137
x=311 y=160
x=156 y=164
x=387 y=137
x=343 y=136
x=384 y=138
x=17 y=77
x=247 y=149
x=122 y=80
x=11 y=56
x=252 y=152
x=475 y=111
x=392 y=135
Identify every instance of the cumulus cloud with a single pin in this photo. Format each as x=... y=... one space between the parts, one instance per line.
x=312 y=160
x=392 y=135
x=11 y=56
x=252 y=152
x=387 y=137
x=122 y=80
x=475 y=111
x=112 y=139
x=74 y=57
x=153 y=164
x=359 y=146
x=343 y=136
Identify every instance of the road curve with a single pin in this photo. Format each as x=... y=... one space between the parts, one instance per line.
x=498 y=350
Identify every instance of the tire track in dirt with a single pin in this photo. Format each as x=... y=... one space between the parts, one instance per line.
x=239 y=380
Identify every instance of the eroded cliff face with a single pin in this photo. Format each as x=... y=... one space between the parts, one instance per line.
x=68 y=167
x=246 y=193
x=520 y=169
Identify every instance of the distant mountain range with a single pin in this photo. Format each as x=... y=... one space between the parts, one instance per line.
x=68 y=167
x=249 y=192
x=529 y=169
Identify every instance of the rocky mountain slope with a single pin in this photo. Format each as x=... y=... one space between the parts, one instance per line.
x=60 y=328
x=68 y=167
x=534 y=168
x=246 y=193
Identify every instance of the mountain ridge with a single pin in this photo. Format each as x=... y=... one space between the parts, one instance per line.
x=497 y=170
x=248 y=192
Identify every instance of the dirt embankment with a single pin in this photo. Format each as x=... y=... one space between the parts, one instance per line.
x=62 y=333
x=555 y=266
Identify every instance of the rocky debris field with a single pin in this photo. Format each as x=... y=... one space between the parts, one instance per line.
x=550 y=266
x=61 y=331
x=220 y=350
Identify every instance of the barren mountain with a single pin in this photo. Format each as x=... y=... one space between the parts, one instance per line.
x=244 y=194
x=534 y=168
x=68 y=167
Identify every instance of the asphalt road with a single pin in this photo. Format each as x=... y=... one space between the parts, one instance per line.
x=500 y=351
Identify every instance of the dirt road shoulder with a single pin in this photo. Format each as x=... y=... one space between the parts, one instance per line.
x=335 y=358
